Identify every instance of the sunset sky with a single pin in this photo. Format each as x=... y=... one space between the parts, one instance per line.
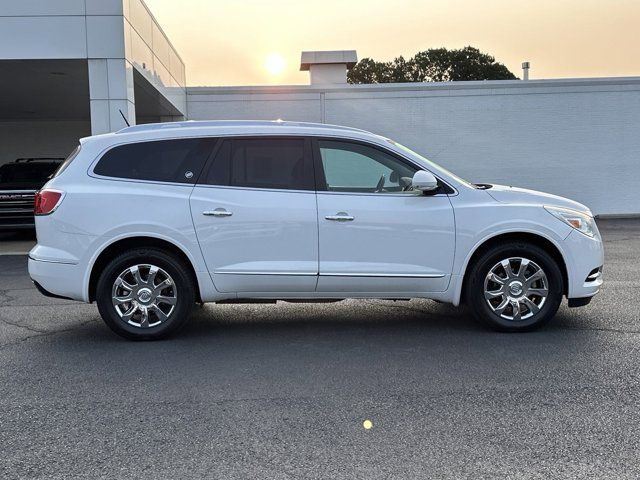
x=251 y=42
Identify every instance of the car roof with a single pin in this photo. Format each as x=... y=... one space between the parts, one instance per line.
x=234 y=124
x=187 y=129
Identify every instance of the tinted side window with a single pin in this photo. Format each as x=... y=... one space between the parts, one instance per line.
x=280 y=163
x=179 y=161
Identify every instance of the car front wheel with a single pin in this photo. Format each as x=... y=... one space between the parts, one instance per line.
x=514 y=287
x=145 y=294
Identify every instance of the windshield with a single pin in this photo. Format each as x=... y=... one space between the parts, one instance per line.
x=433 y=165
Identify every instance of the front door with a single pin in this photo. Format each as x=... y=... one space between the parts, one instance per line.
x=376 y=235
x=255 y=216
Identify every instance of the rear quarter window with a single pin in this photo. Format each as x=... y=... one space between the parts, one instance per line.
x=175 y=161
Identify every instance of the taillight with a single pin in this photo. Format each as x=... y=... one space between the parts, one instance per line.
x=47 y=201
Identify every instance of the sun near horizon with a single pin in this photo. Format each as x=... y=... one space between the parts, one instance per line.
x=275 y=64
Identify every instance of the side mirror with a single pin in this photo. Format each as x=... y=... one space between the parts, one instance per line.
x=424 y=181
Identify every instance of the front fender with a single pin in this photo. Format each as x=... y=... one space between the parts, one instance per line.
x=478 y=224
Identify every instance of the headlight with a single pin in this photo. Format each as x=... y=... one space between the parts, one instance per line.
x=583 y=222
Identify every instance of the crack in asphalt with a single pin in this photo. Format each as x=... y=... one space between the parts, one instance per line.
x=4 y=296
x=38 y=333
x=26 y=327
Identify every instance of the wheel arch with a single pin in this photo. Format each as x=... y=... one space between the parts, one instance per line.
x=142 y=241
x=534 y=238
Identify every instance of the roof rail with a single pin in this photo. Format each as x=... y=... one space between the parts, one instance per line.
x=228 y=123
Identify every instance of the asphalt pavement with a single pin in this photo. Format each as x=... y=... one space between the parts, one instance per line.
x=282 y=391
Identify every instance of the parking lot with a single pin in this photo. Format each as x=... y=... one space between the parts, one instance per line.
x=281 y=391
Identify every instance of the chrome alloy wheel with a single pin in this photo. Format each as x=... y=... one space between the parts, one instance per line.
x=144 y=296
x=516 y=288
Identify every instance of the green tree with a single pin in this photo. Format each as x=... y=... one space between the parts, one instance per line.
x=433 y=65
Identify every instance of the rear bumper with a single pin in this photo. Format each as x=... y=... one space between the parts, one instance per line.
x=58 y=280
x=46 y=293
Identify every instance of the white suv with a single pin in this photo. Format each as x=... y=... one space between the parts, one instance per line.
x=154 y=218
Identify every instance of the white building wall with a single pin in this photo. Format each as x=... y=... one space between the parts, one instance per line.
x=204 y=103
x=576 y=138
x=115 y=36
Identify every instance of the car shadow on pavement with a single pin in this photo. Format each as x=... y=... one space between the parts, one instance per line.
x=355 y=319
x=358 y=320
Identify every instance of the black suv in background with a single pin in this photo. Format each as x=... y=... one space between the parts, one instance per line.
x=19 y=182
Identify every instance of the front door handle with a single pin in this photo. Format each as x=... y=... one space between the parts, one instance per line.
x=218 y=212
x=340 y=217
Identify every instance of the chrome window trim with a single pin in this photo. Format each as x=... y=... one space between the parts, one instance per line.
x=229 y=187
x=380 y=194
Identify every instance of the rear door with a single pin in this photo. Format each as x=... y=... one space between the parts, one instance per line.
x=255 y=214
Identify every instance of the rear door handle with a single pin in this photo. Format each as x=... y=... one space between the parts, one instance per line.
x=340 y=217
x=218 y=212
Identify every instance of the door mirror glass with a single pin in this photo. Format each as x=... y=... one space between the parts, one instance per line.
x=424 y=181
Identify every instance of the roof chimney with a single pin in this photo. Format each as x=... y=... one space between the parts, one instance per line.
x=525 y=70
x=326 y=67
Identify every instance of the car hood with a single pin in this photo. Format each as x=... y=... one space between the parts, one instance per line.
x=505 y=194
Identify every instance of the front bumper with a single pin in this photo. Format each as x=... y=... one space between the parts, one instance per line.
x=579 y=302
x=583 y=256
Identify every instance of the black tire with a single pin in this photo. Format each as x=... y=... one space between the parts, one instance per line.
x=178 y=313
x=483 y=265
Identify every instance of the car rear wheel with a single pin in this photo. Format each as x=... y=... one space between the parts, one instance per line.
x=145 y=294
x=514 y=287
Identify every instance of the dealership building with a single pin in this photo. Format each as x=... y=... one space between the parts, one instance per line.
x=72 y=68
